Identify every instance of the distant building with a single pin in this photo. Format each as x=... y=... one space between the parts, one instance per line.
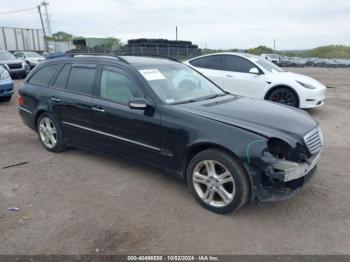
x=21 y=39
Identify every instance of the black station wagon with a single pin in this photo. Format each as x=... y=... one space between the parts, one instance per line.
x=229 y=149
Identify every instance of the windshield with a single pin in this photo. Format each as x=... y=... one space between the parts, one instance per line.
x=177 y=83
x=4 y=55
x=269 y=66
x=32 y=54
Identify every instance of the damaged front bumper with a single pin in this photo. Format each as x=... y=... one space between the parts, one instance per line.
x=285 y=170
x=281 y=179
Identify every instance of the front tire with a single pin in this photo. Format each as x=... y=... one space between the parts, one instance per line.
x=218 y=181
x=50 y=133
x=284 y=95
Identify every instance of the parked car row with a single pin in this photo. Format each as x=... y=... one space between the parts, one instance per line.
x=285 y=61
x=314 y=62
x=15 y=65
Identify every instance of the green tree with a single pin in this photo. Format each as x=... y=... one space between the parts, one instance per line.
x=113 y=43
x=331 y=51
x=260 y=50
x=60 y=36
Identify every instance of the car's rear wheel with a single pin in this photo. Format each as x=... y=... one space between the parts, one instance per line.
x=218 y=181
x=284 y=95
x=50 y=133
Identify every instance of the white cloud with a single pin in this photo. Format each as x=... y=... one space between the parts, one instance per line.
x=294 y=24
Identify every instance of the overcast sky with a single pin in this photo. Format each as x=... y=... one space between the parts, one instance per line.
x=295 y=24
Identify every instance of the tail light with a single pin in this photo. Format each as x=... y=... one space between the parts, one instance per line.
x=20 y=100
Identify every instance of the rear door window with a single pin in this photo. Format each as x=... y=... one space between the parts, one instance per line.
x=44 y=75
x=61 y=79
x=81 y=78
x=209 y=62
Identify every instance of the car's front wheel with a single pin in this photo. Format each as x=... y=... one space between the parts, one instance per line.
x=284 y=95
x=218 y=181
x=50 y=133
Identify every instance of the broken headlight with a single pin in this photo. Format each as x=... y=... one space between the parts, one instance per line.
x=281 y=150
x=286 y=163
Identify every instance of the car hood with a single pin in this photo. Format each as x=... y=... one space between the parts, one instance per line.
x=262 y=117
x=289 y=76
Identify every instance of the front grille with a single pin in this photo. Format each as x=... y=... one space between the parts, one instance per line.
x=314 y=140
x=15 y=66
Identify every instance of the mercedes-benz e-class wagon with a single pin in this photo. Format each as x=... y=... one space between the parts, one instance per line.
x=229 y=149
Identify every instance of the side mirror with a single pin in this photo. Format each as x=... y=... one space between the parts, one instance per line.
x=139 y=104
x=254 y=71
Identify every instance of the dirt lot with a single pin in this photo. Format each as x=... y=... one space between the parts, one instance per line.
x=79 y=202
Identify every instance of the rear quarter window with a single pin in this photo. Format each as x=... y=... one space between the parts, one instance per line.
x=61 y=79
x=44 y=75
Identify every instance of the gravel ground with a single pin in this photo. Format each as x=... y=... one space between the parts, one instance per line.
x=78 y=202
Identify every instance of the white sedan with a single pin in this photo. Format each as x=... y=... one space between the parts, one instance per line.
x=252 y=76
x=31 y=58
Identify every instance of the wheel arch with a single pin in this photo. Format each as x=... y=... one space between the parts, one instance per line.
x=38 y=114
x=194 y=149
x=273 y=88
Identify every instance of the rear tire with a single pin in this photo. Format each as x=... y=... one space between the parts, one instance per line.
x=284 y=95
x=222 y=189
x=50 y=133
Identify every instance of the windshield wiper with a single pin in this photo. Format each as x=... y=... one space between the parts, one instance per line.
x=199 y=99
x=215 y=96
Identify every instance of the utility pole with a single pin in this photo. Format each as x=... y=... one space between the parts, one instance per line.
x=176 y=33
x=45 y=4
x=274 y=45
x=42 y=25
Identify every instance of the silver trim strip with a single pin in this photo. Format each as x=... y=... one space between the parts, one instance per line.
x=113 y=136
x=25 y=110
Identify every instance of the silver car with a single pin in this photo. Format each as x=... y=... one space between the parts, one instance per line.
x=31 y=58
x=16 y=67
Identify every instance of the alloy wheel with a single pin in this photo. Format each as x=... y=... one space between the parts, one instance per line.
x=48 y=132
x=284 y=96
x=213 y=183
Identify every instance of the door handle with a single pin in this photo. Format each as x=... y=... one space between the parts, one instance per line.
x=229 y=75
x=56 y=99
x=101 y=110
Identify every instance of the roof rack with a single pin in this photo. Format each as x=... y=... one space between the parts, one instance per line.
x=100 y=55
